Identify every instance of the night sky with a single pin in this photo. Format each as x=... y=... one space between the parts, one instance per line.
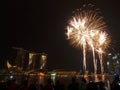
x=39 y=25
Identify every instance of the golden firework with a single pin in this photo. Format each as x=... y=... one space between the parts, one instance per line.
x=86 y=29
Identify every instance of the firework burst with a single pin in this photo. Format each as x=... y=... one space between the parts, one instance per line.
x=86 y=29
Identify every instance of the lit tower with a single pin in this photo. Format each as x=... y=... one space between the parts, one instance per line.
x=31 y=63
x=21 y=59
x=43 y=61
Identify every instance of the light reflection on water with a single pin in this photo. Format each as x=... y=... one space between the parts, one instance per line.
x=107 y=79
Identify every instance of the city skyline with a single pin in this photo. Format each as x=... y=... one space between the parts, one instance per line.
x=40 y=26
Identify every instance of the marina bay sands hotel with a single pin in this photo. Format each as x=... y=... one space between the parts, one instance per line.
x=28 y=61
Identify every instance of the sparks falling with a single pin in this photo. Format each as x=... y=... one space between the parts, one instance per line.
x=86 y=29
x=103 y=43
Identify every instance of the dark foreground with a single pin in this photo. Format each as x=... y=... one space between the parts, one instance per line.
x=33 y=82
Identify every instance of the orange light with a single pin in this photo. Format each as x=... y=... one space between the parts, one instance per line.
x=41 y=74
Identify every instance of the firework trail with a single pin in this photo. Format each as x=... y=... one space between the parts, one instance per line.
x=84 y=29
x=103 y=43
